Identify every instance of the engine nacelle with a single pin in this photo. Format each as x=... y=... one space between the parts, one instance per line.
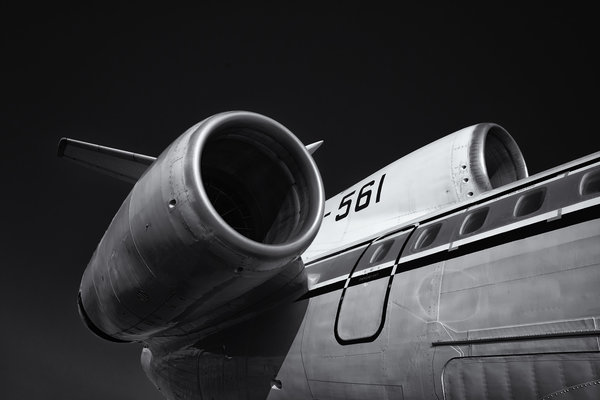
x=454 y=168
x=225 y=207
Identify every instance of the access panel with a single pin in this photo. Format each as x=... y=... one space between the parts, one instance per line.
x=558 y=376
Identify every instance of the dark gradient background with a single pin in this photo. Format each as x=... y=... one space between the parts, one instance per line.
x=374 y=83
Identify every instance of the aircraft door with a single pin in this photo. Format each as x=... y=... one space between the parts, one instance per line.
x=363 y=304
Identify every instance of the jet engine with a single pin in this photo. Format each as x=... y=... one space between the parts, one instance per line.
x=455 y=168
x=227 y=206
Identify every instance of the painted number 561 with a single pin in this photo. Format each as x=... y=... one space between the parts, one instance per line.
x=362 y=200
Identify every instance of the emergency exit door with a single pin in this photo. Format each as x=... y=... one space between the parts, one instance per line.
x=363 y=303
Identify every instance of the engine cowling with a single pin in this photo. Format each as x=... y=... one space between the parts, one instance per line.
x=452 y=169
x=228 y=205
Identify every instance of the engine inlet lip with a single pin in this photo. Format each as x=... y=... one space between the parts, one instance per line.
x=477 y=158
x=218 y=122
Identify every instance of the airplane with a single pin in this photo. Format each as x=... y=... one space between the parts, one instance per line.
x=448 y=274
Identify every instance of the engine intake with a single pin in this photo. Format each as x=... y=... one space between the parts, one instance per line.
x=495 y=157
x=454 y=168
x=227 y=206
x=255 y=181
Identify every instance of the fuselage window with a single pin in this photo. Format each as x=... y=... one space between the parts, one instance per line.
x=530 y=202
x=590 y=183
x=474 y=221
x=381 y=251
x=427 y=236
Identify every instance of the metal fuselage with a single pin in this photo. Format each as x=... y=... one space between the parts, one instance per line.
x=448 y=274
x=493 y=298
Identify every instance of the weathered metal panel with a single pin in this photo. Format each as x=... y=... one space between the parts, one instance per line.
x=547 y=277
x=536 y=376
x=343 y=391
x=361 y=311
x=326 y=360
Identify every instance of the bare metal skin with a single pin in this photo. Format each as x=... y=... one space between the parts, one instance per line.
x=449 y=274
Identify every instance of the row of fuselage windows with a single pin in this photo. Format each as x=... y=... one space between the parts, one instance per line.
x=551 y=196
x=493 y=213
